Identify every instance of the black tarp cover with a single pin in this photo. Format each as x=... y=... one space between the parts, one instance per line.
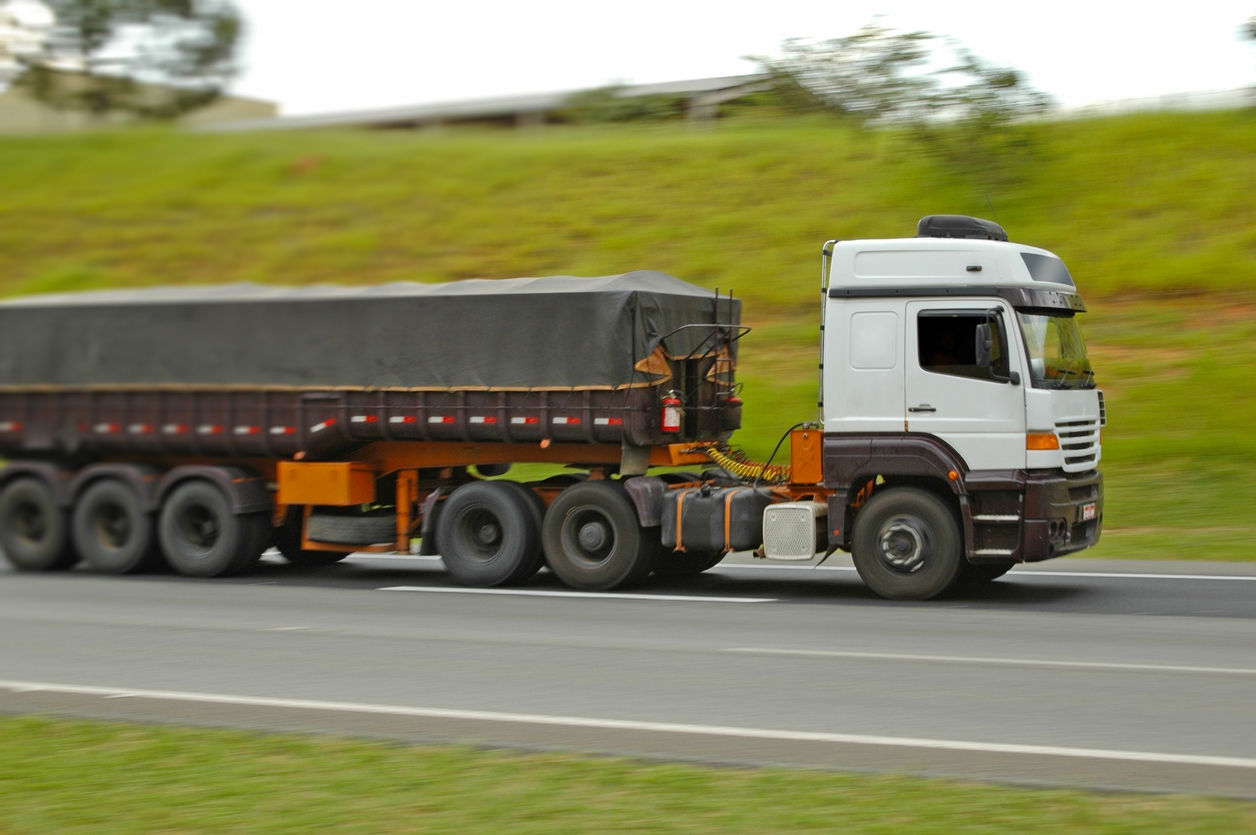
x=526 y=333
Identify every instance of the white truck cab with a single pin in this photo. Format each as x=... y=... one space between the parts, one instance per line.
x=953 y=368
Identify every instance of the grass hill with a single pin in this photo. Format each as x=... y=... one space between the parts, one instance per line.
x=1155 y=215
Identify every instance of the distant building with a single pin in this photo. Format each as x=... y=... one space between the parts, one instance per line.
x=702 y=98
x=20 y=112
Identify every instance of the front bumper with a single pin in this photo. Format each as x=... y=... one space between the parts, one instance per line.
x=1054 y=520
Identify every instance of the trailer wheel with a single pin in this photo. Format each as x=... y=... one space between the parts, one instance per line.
x=111 y=531
x=681 y=565
x=288 y=541
x=593 y=539
x=906 y=545
x=201 y=537
x=487 y=536
x=34 y=529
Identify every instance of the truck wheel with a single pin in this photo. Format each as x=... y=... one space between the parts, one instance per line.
x=593 y=540
x=34 y=529
x=201 y=537
x=681 y=565
x=111 y=531
x=906 y=545
x=288 y=541
x=487 y=536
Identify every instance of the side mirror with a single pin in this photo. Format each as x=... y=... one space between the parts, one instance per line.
x=985 y=344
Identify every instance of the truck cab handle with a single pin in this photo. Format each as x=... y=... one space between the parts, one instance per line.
x=923 y=407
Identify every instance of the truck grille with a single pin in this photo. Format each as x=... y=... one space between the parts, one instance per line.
x=1079 y=440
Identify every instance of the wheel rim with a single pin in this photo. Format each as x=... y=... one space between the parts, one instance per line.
x=112 y=527
x=904 y=544
x=29 y=523
x=589 y=536
x=478 y=534
x=200 y=528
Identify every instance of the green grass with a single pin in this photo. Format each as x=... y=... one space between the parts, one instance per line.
x=71 y=777
x=1155 y=214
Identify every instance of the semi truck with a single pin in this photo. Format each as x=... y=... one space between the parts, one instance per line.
x=958 y=427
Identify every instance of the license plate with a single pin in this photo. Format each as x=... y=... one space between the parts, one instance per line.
x=1088 y=512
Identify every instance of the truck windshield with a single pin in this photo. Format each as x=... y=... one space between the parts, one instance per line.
x=1057 y=354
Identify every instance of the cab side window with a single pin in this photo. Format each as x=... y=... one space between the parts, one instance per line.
x=947 y=344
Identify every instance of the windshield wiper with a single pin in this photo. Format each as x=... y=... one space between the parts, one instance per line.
x=1064 y=372
x=1088 y=380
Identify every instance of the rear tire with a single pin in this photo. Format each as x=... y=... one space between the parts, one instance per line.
x=111 y=530
x=34 y=529
x=487 y=535
x=906 y=545
x=593 y=539
x=201 y=537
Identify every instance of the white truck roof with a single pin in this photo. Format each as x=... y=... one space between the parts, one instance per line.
x=946 y=262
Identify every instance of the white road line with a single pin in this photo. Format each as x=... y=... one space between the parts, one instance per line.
x=1011 y=662
x=637 y=726
x=1014 y=572
x=593 y=594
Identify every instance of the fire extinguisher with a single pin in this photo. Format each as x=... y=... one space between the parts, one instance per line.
x=671 y=412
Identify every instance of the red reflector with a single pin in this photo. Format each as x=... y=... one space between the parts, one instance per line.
x=283 y=430
x=566 y=421
x=403 y=419
x=140 y=428
x=525 y=421
x=248 y=430
x=10 y=426
x=174 y=429
x=107 y=428
x=483 y=419
x=364 y=419
x=441 y=419
x=208 y=429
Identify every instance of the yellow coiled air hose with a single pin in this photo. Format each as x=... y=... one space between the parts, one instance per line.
x=736 y=462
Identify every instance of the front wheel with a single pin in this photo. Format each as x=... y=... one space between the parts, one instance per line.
x=593 y=539
x=906 y=545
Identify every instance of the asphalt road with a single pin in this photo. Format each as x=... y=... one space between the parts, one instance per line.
x=1076 y=672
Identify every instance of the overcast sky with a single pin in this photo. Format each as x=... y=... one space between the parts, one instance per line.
x=317 y=56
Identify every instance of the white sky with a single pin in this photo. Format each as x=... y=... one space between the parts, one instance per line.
x=316 y=56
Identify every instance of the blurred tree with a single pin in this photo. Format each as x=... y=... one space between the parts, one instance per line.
x=23 y=32
x=152 y=58
x=874 y=75
x=968 y=112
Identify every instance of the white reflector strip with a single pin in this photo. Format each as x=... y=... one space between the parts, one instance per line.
x=174 y=429
x=248 y=430
x=403 y=419
x=106 y=428
x=140 y=428
x=441 y=419
x=566 y=421
x=10 y=426
x=518 y=421
x=608 y=421
x=483 y=419
x=208 y=429
x=283 y=430
x=364 y=419
x=319 y=427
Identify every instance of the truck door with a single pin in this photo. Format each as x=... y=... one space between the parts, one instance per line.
x=863 y=366
x=978 y=411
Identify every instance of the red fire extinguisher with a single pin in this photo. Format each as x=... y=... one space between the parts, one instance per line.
x=671 y=412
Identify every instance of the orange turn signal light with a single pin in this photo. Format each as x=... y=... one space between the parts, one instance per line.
x=1041 y=440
